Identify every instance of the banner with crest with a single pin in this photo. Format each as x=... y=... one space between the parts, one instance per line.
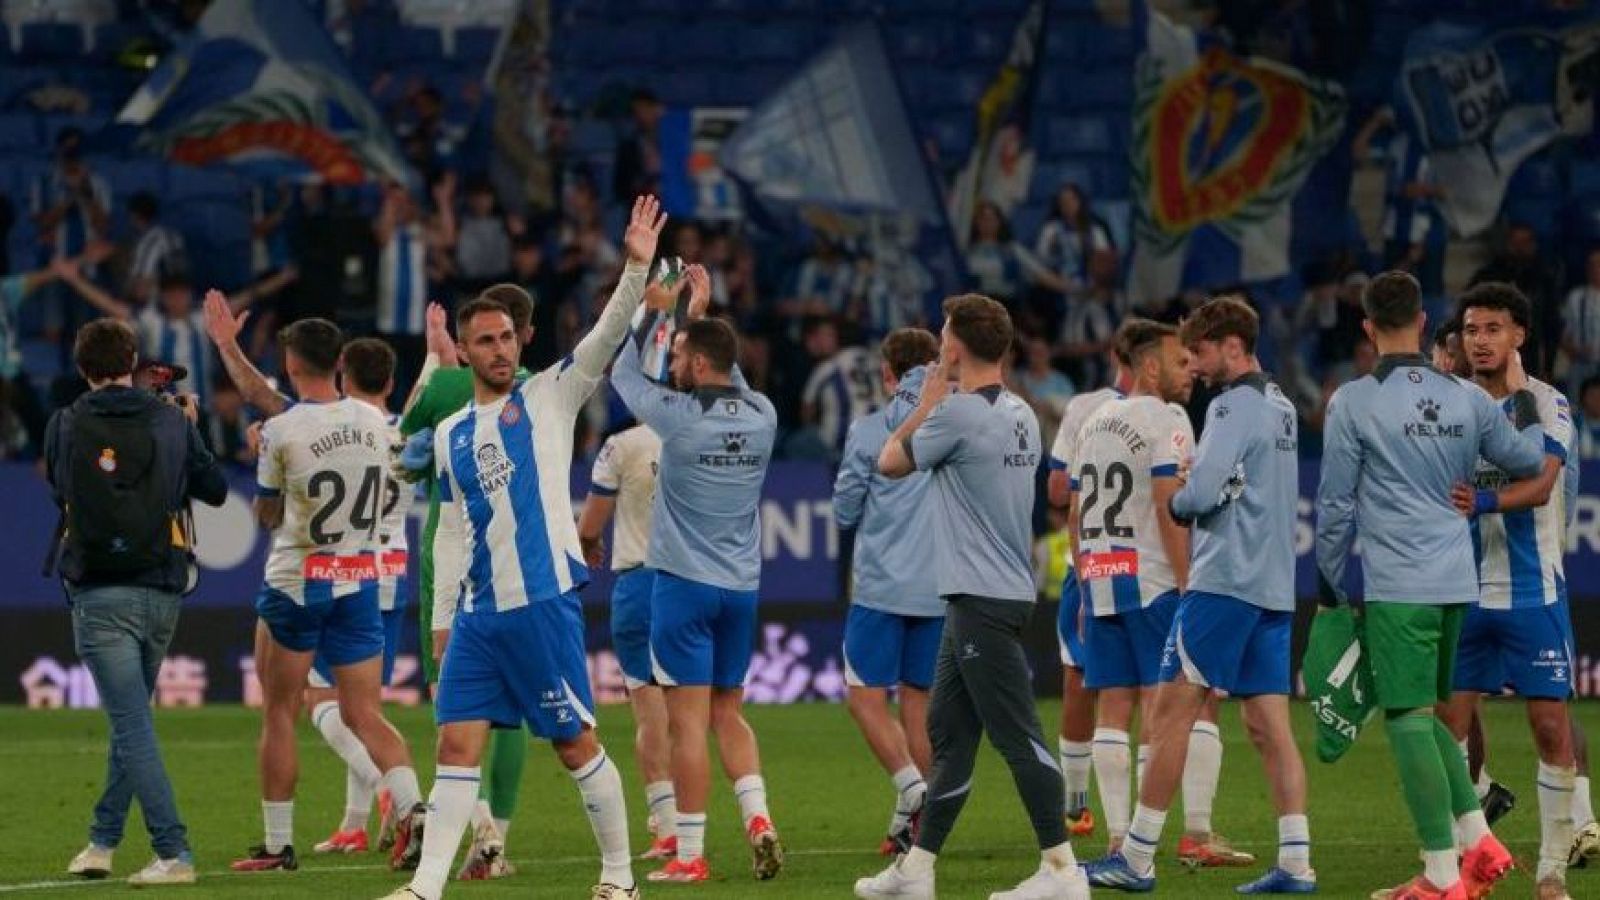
x=1221 y=145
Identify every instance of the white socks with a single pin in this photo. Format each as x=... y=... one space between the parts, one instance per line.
x=1582 y=803
x=910 y=792
x=1144 y=835
x=455 y=793
x=1110 y=752
x=691 y=836
x=1555 y=819
x=358 y=794
x=600 y=784
x=481 y=814
x=663 y=800
x=1202 y=768
x=361 y=774
x=1294 y=845
x=1441 y=868
x=751 y=792
x=277 y=816
x=1059 y=860
x=1077 y=759
x=401 y=783
x=920 y=862
x=1471 y=828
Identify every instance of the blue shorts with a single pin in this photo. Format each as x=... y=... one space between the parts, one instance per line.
x=1124 y=649
x=700 y=634
x=522 y=666
x=1068 y=635
x=630 y=624
x=1225 y=643
x=322 y=673
x=343 y=631
x=1529 y=649
x=884 y=649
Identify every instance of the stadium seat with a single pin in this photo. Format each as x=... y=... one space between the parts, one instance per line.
x=414 y=44
x=52 y=124
x=20 y=132
x=707 y=43
x=986 y=40
x=1105 y=45
x=774 y=42
x=1070 y=135
x=129 y=175
x=638 y=44
x=474 y=44
x=203 y=186
x=41 y=40
x=593 y=136
x=685 y=87
x=923 y=40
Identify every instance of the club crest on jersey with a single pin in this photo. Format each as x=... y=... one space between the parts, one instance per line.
x=494 y=468
x=510 y=415
x=107 y=461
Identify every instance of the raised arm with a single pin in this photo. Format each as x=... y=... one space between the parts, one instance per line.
x=576 y=376
x=67 y=270
x=898 y=457
x=277 y=281
x=223 y=326
x=1336 y=495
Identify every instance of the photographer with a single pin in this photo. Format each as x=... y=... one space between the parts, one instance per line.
x=123 y=464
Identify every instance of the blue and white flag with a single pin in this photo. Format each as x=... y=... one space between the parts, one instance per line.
x=260 y=85
x=834 y=145
x=1482 y=102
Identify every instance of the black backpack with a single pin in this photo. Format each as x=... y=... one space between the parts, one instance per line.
x=116 y=521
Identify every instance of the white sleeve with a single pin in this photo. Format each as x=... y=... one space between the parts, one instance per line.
x=575 y=377
x=449 y=541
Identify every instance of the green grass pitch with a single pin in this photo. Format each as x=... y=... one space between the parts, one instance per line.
x=829 y=799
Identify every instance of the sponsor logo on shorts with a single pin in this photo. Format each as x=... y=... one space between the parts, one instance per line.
x=1093 y=566
x=360 y=567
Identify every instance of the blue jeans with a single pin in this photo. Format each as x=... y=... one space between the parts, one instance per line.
x=121 y=634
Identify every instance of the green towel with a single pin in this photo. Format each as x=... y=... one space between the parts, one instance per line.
x=1338 y=679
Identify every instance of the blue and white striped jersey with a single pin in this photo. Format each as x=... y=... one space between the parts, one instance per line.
x=842 y=389
x=181 y=342
x=715 y=446
x=403 y=281
x=1519 y=552
x=507 y=536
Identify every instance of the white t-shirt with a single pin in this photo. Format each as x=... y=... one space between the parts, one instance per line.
x=626 y=470
x=330 y=463
x=1122 y=449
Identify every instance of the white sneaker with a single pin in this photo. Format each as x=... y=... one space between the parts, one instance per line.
x=179 y=870
x=1047 y=884
x=488 y=848
x=93 y=861
x=895 y=882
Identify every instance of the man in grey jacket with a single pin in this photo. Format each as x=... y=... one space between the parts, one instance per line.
x=1396 y=444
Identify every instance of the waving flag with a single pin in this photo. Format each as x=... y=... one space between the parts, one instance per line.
x=834 y=147
x=1221 y=146
x=1001 y=166
x=262 y=86
x=1481 y=103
